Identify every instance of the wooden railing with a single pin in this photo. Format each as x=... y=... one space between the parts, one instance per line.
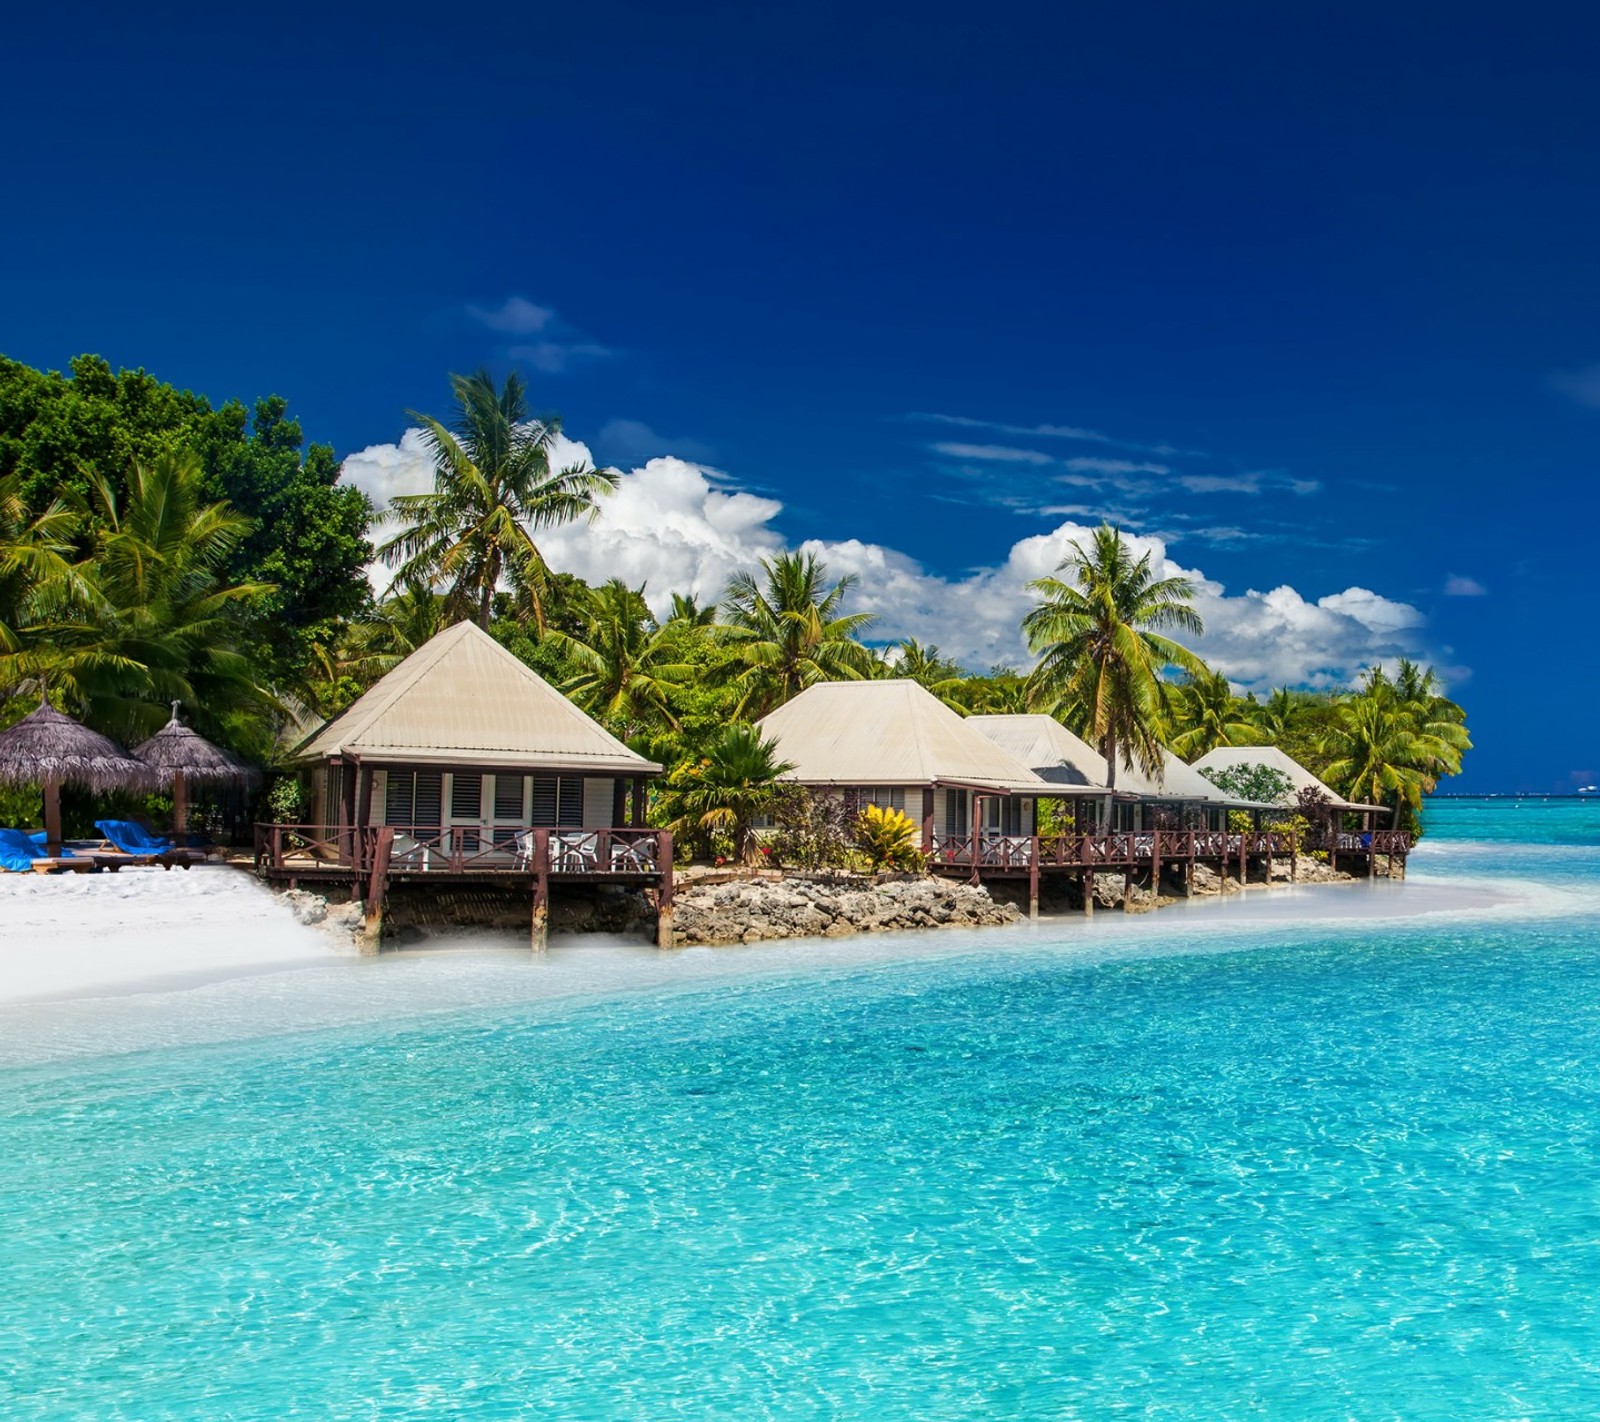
x=465 y=849
x=1134 y=848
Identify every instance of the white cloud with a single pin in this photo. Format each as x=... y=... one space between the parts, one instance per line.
x=1459 y=585
x=999 y=453
x=516 y=315
x=677 y=527
x=1083 y=464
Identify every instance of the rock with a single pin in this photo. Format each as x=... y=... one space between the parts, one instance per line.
x=308 y=908
x=772 y=908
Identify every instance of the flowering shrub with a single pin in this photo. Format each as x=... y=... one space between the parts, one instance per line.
x=888 y=838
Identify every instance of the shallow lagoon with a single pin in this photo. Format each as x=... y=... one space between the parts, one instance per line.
x=1285 y=1159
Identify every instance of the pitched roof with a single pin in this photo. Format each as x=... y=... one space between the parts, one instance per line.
x=463 y=699
x=1054 y=753
x=1226 y=757
x=1046 y=747
x=888 y=733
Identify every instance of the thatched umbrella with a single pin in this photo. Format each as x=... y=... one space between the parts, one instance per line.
x=50 y=749
x=184 y=757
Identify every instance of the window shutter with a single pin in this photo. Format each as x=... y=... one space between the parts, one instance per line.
x=466 y=797
x=398 y=800
x=570 y=809
x=508 y=798
x=430 y=797
x=544 y=800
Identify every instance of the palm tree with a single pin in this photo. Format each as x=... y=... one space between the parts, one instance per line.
x=686 y=610
x=492 y=488
x=737 y=780
x=1206 y=714
x=1102 y=655
x=1374 y=754
x=926 y=666
x=787 y=632
x=623 y=660
x=151 y=617
x=35 y=553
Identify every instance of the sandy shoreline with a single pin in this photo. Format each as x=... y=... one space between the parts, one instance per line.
x=106 y=964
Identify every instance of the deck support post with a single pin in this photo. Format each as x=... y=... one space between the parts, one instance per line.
x=928 y=797
x=664 y=892
x=540 y=926
x=976 y=837
x=1033 y=878
x=1269 y=861
x=377 y=891
x=1155 y=862
x=640 y=801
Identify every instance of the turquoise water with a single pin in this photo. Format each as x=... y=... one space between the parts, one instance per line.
x=1350 y=1173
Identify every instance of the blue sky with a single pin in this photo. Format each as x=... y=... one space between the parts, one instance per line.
x=1308 y=293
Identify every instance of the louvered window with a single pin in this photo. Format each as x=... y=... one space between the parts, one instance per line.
x=558 y=801
x=508 y=797
x=888 y=799
x=401 y=798
x=414 y=797
x=466 y=797
x=955 y=812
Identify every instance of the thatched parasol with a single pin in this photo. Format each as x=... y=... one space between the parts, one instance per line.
x=50 y=749
x=184 y=757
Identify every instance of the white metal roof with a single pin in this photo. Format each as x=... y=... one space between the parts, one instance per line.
x=1226 y=757
x=463 y=699
x=1054 y=753
x=1047 y=748
x=889 y=733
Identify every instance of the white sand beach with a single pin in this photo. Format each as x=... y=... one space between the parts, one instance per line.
x=105 y=963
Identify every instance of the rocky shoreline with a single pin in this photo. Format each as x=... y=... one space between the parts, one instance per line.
x=731 y=907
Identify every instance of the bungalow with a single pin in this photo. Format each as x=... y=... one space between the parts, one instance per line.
x=463 y=736
x=894 y=743
x=1177 y=796
x=464 y=764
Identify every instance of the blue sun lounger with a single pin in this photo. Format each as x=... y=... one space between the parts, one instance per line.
x=135 y=844
x=21 y=854
x=134 y=839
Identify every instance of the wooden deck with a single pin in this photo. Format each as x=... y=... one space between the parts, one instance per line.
x=1131 y=852
x=367 y=860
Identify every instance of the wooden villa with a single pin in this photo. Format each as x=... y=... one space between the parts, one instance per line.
x=462 y=765
x=1350 y=832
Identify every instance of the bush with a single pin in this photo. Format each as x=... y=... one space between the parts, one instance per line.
x=811 y=830
x=286 y=801
x=889 y=838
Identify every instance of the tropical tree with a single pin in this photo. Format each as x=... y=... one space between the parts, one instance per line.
x=737 y=780
x=147 y=617
x=1099 y=636
x=926 y=666
x=687 y=611
x=1374 y=755
x=624 y=662
x=787 y=631
x=35 y=552
x=1203 y=713
x=493 y=489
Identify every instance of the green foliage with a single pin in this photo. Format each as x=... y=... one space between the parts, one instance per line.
x=1102 y=652
x=59 y=435
x=287 y=801
x=888 y=837
x=1264 y=784
x=1203 y=713
x=724 y=791
x=623 y=660
x=492 y=485
x=811 y=830
x=787 y=631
